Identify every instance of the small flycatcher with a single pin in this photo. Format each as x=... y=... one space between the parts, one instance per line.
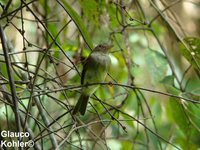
x=94 y=70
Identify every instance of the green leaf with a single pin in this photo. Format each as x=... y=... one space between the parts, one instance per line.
x=157 y=65
x=191 y=51
x=159 y=31
x=79 y=22
x=53 y=28
x=185 y=144
x=175 y=108
x=177 y=112
x=126 y=145
x=193 y=87
x=194 y=136
x=168 y=80
x=90 y=10
x=112 y=15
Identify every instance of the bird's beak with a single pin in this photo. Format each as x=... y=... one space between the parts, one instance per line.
x=109 y=46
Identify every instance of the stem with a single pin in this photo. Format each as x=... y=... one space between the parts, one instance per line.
x=11 y=81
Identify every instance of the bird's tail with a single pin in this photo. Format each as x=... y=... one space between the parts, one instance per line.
x=81 y=104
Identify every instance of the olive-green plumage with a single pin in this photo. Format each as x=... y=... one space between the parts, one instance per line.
x=94 y=71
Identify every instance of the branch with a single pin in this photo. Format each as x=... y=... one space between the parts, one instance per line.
x=11 y=81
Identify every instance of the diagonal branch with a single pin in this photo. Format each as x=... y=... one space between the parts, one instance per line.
x=11 y=80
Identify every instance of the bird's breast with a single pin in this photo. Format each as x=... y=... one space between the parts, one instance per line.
x=102 y=60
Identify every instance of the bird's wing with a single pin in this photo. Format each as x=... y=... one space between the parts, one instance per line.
x=88 y=63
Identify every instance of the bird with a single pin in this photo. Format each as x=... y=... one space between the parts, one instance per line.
x=94 y=70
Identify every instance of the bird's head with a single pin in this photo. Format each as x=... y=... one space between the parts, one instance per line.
x=103 y=48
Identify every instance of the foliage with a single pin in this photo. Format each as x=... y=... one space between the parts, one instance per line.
x=150 y=98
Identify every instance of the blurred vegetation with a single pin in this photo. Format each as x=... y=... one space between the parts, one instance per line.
x=150 y=98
